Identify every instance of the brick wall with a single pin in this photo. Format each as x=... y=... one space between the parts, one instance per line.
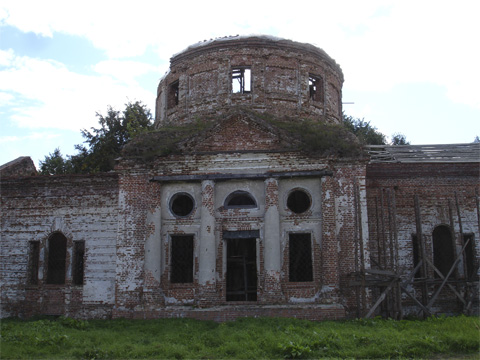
x=391 y=191
x=81 y=208
x=280 y=71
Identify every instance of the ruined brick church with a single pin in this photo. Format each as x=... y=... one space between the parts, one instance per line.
x=226 y=211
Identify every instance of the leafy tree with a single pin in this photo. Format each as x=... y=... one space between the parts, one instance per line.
x=104 y=144
x=55 y=164
x=399 y=139
x=116 y=130
x=366 y=133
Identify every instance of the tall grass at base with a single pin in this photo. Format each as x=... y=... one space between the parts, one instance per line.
x=242 y=339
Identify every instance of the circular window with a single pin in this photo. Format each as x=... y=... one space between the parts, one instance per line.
x=181 y=204
x=299 y=201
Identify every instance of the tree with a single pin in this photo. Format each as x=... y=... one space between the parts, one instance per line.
x=476 y=140
x=116 y=130
x=399 y=139
x=104 y=144
x=55 y=164
x=367 y=134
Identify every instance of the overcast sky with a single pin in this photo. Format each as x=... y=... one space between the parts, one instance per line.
x=410 y=66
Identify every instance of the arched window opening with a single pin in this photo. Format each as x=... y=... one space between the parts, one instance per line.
x=240 y=199
x=182 y=204
x=299 y=201
x=443 y=257
x=57 y=255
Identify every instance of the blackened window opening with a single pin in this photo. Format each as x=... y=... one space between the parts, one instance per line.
x=442 y=249
x=241 y=269
x=416 y=254
x=300 y=258
x=470 y=266
x=240 y=199
x=182 y=259
x=57 y=254
x=181 y=204
x=241 y=80
x=78 y=265
x=173 y=94
x=298 y=201
x=315 y=88
x=33 y=262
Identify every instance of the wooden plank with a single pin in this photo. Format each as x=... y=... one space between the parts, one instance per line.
x=443 y=278
x=421 y=244
x=434 y=297
x=381 y=298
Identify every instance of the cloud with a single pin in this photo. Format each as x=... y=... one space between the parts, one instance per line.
x=48 y=95
x=32 y=136
x=125 y=70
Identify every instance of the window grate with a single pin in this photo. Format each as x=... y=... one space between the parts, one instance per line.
x=300 y=258
x=182 y=259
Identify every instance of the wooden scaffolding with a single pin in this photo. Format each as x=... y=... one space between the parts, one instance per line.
x=385 y=288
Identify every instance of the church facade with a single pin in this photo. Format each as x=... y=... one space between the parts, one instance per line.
x=230 y=209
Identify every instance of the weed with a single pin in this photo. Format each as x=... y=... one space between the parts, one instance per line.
x=295 y=351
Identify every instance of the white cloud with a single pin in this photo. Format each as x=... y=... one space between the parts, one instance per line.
x=59 y=98
x=125 y=70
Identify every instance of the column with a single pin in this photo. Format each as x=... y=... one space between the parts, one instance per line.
x=207 y=248
x=272 y=249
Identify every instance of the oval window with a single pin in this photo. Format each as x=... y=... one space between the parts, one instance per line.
x=240 y=199
x=181 y=204
x=299 y=201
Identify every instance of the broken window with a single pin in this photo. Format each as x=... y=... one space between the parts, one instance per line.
x=416 y=254
x=298 y=201
x=470 y=268
x=173 y=94
x=241 y=80
x=240 y=199
x=181 y=270
x=315 y=87
x=78 y=262
x=181 y=204
x=33 y=261
x=442 y=249
x=241 y=269
x=57 y=254
x=300 y=257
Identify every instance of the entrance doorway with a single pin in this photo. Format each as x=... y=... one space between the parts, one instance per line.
x=241 y=269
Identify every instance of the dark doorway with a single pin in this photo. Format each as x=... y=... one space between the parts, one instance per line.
x=241 y=269
x=442 y=249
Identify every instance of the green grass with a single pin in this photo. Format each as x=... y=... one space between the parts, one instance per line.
x=65 y=338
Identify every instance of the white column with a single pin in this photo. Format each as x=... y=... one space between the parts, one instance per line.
x=272 y=250
x=207 y=248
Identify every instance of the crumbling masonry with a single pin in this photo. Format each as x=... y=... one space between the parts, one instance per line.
x=237 y=217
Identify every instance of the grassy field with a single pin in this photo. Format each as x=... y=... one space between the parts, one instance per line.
x=65 y=338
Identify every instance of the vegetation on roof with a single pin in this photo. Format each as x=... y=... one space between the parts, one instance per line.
x=163 y=141
x=309 y=136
